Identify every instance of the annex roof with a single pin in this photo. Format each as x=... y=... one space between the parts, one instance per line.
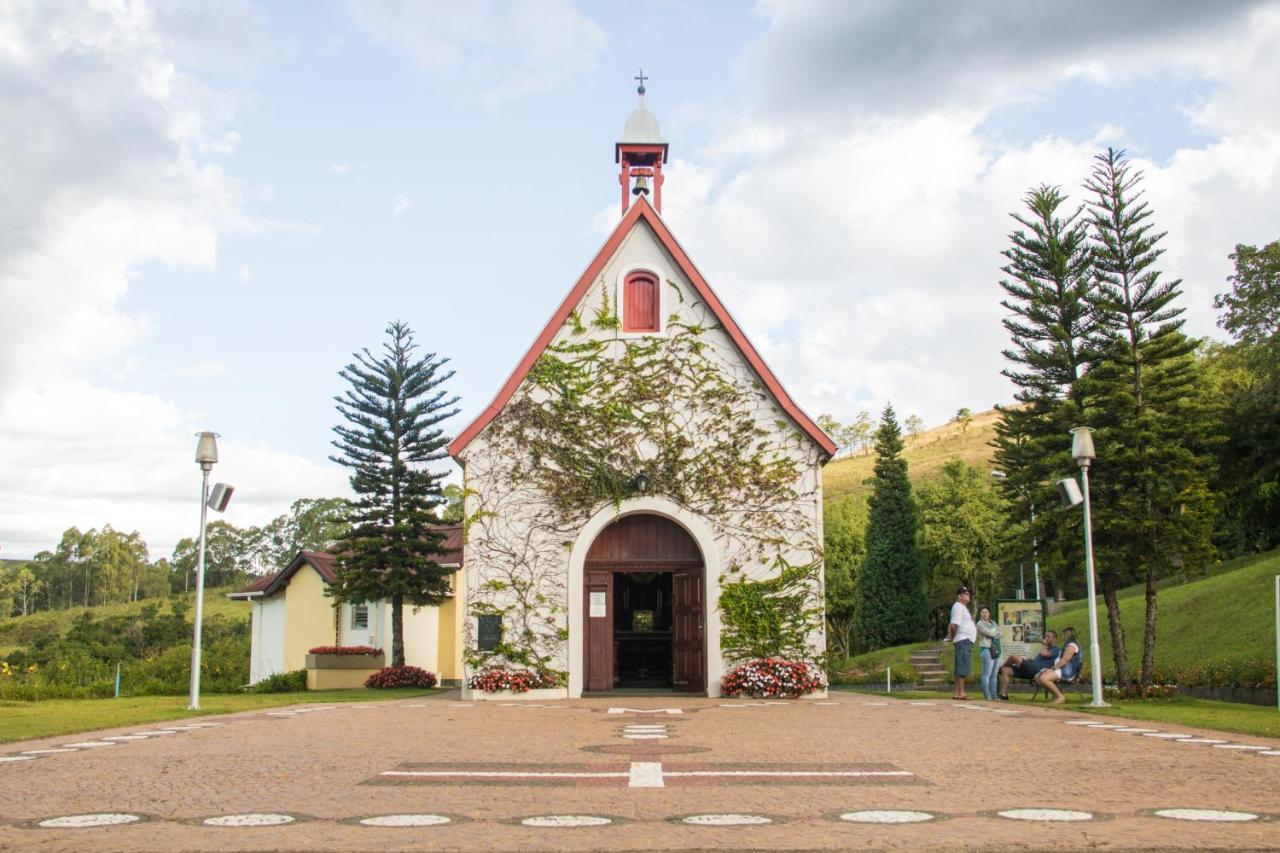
x=642 y=210
x=322 y=562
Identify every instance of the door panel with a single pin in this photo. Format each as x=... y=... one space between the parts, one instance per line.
x=599 y=633
x=687 y=642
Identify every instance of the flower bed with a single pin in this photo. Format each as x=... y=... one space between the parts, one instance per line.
x=770 y=677
x=401 y=676
x=344 y=650
x=515 y=680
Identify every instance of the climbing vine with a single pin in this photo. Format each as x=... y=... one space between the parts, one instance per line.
x=595 y=410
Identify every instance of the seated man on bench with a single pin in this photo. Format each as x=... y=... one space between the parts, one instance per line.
x=1065 y=668
x=1028 y=668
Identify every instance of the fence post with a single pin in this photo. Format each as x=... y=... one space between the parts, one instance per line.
x=888 y=680
x=117 y=696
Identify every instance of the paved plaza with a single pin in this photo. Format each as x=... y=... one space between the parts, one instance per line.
x=850 y=771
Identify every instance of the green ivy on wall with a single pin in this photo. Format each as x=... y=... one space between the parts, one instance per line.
x=774 y=617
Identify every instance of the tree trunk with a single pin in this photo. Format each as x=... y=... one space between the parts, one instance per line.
x=397 y=630
x=1149 y=632
x=1119 y=653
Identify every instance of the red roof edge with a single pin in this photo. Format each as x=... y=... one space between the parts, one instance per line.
x=641 y=209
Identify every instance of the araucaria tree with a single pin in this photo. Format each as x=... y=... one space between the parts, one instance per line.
x=393 y=409
x=1050 y=324
x=891 y=607
x=1153 y=507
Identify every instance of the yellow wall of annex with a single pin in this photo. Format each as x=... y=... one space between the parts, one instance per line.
x=446 y=644
x=308 y=617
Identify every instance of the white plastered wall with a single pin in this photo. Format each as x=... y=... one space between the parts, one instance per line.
x=510 y=507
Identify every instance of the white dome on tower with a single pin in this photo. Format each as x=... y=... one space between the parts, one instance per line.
x=642 y=127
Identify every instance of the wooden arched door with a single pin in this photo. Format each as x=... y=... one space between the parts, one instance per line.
x=657 y=560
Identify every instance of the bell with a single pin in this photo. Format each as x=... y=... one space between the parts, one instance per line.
x=642 y=186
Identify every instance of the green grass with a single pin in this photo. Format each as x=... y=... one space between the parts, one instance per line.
x=1229 y=615
x=52 y=717
x=925 y=456
x=1226 y=616
x=1234 y=717
x=216 y=603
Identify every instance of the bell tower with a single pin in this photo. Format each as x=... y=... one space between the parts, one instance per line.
x=641 y=152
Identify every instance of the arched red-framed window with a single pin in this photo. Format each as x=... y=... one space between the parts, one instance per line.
x=640 y=302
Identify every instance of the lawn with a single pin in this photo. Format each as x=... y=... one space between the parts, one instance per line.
x=52 y=717
x=1257 y=720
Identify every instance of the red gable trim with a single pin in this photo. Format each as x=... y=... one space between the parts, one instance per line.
x=642 y=210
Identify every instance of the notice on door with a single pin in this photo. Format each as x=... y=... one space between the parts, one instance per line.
x=597 y=605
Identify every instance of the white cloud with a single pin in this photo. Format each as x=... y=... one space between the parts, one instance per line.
x=208 y=368
x=862 y=256
x=400 y=204
x=508 y=48
x=110 y=160
x=340 y=169
x=244 y=274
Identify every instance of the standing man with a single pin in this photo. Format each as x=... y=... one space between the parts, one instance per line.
x=962 y=631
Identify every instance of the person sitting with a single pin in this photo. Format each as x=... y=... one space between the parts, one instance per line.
x=1028 y=668
x=1065 y=668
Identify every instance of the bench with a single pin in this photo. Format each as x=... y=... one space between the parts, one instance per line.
x=1073 y=683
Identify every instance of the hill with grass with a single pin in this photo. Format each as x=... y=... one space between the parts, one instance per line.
x=925 y=456
x=1212 y=631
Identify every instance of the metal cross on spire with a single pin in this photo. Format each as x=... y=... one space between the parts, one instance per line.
x=641 y=78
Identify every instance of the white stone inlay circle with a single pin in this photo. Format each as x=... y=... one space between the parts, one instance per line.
x=88 y=744
x=554 y=821
x=8 y=758
x=727 y=820
x=886 y=816
x=250 y=819
x=645 y=736
x=1206 y=814
x=406 y=820
x=1045 y=814
x=1201 y=740
x=1167 y=735
x=79 y=821
x=1244 y=746
x=1131 y=730
x=1270 y=752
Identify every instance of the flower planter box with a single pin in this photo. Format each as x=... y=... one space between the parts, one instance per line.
x=341 y=672
x=540 y=695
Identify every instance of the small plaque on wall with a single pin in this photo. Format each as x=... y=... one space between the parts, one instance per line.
x=598 y=605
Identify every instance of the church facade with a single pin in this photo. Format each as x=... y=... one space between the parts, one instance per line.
x=643 y=498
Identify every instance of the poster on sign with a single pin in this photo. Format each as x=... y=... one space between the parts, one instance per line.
x=1022 y=624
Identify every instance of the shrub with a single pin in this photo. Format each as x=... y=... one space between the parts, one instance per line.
x=282 y=682
x=344 y=650
x=770 y=677
x=515 y=680
x=401 y=676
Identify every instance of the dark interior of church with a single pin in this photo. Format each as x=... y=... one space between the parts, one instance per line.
x=642 y=630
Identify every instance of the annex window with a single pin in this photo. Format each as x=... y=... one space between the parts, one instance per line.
x=489 y=633
x=359 y=617
x=640 y=302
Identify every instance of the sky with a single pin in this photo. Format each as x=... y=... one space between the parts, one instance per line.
x=207 y=206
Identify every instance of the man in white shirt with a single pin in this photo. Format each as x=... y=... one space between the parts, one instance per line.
x=963 y=631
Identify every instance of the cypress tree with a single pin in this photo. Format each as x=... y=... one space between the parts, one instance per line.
x=1154 y=509
x=891 y=607
x=1051 y=329
x=393 y=409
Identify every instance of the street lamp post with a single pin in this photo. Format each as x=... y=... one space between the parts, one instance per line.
x=1083 y=452
x=206 y=456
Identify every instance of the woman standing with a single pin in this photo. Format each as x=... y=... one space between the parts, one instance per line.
x=989 y=651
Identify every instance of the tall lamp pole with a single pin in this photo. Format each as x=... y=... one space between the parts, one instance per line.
x=1083 y=452
x=206 y=457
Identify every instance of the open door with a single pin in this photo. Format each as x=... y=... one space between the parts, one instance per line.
x=686 y=605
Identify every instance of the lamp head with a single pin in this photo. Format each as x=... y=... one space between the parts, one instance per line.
x=999 y=475
x=1082 y=446
x=641 y=483
x=207 y=450
x=1069 y=492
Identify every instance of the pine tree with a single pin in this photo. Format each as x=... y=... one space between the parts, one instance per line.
x=1153 y=504
x=1051 y=331
x=393 y=409
x=891 y=606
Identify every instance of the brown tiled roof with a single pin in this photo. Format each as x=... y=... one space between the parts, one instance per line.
x=322 y=562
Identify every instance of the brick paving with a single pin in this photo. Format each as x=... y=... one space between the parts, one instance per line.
x=799 y=766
